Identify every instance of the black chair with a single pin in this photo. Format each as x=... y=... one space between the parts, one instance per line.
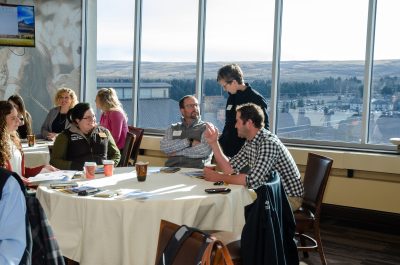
x=136 y=147
x=127 y=151
x=308 y=216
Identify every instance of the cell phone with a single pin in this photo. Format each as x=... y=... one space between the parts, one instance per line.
x=88 y=192
x=170 y=169
x=218 y=190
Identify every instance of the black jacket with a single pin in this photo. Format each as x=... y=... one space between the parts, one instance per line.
x=268 y=235
x=229 y=140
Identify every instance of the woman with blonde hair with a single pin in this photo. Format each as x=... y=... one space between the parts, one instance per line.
x=113 y=117
x=11 y=154
x=25 y=127
x=56 y=120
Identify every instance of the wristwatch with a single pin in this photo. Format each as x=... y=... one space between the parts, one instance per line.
x=190 y=142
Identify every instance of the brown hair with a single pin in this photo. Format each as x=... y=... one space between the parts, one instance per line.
x=17 y=100
x=5 y=148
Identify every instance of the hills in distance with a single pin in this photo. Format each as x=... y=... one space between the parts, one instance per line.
x=290 y=70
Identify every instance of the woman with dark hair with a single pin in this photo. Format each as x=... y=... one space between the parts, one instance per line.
x=84 y=141
x=25 y=126
x=56 y=120
x=11 y=154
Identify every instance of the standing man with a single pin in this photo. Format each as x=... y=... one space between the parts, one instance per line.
x=230 y=77
x=262 y=153
x=184 y=142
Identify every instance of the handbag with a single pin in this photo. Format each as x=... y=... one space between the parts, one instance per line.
x=216 y=253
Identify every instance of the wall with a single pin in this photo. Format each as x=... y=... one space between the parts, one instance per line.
x=36 y=73
x=374 y=185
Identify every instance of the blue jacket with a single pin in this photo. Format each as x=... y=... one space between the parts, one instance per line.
x=268 y=235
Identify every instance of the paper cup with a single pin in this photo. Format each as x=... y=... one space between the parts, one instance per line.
x=90 y=169
x=141 y=170
x=108 y=167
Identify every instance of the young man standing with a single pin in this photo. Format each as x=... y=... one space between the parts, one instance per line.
x=230 y=77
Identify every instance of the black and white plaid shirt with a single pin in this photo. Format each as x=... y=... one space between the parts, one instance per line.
x=264 y=154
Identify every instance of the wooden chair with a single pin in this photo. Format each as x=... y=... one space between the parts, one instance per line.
x=136 y=147
x=308 y=216
x=127 y=151
x=188 y=251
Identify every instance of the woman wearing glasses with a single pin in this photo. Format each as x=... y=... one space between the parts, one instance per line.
x=84 y=141
x=113 y=117
x=56 y=121
x=25 y=126
x=11 y=154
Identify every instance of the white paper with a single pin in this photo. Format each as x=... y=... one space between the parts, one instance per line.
x=64 y=175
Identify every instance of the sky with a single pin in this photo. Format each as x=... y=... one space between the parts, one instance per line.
x=242 y=30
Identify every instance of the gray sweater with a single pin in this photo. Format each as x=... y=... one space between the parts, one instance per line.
x=48 y=122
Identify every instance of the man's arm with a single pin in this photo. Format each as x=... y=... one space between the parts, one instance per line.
x=12 y=223
x=171 y=146
x=211 y=135
x=199 y=149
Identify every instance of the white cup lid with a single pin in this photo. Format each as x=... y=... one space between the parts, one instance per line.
x=108 y=162
x=90 y=164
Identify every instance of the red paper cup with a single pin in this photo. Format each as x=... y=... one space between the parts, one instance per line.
x=108 y=167
x=90 y=169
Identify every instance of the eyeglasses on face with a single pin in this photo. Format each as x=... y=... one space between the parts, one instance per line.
x=226 y=84
x=191 y=106
x=89 y=118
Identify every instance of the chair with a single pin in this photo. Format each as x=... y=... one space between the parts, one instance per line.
x=139 y=135
x=308 y=216
x=268 y=234
x=127 y=151
x=189 y=250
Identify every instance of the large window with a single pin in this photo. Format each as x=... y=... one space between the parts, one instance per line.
x=322 y=69
x=322 y=60
x=385 y=94
x=115 y=29
x=168 y=60
x=237 y=32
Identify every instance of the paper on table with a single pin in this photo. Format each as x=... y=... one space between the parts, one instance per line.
x=63 y=175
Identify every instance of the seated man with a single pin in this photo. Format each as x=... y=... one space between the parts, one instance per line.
x=262 y=153
x=184 y=142
x=12 y=220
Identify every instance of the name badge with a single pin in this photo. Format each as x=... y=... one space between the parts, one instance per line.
x=176 y=133
x=102 y=135
x=229 y=107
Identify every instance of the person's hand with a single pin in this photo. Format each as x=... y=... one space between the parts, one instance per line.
x=52 y=136
x=211 y=175
x=195 y=142
x=211 y=133
x=50 y=168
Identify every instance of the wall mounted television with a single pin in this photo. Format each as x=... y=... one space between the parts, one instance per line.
x=17 y=25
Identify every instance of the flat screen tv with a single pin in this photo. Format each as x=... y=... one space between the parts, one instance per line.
x=17 y=25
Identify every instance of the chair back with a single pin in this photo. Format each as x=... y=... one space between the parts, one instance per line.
x=315 y=178
x=127 y=151
x=187 y=252
x=136 y=147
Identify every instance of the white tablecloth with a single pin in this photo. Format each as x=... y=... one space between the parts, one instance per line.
x=38 y=154
x=98 y=231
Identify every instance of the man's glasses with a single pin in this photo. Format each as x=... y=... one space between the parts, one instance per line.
x=192 y=106
x=226 y=84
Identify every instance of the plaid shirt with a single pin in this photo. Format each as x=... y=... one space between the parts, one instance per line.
x=264 y=154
